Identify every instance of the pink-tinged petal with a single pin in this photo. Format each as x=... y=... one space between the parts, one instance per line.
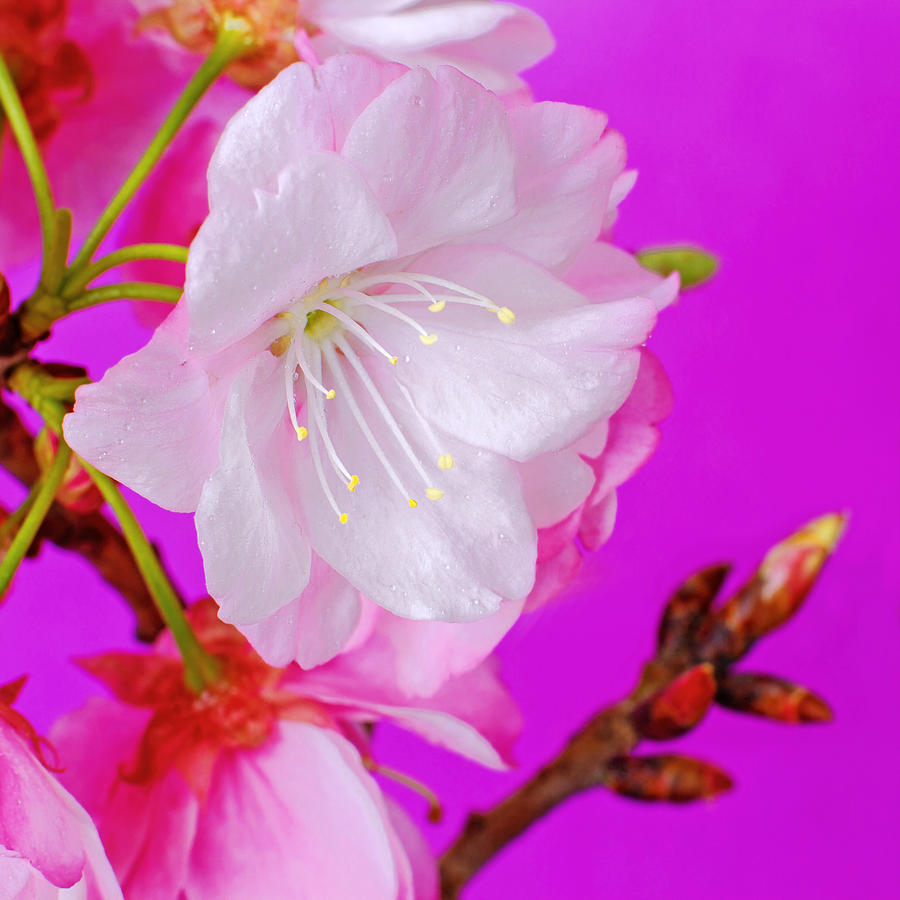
x=313 y=628
x=454 y=559
x=300 y=818
x=421 y=864
x=351 y=83
x=38 y=820
x=437 y=154
x=566 y=165
x=472 y=715
x=291 y=115
x=518 y=41
x=604 y=272
x=554 y=575
x=151 y=421
x=254 y=556
x=530 y=387
x=19 y=881
x=318 y=10
x=598 y=520
x=426 y=654
x=322 y=220
x=555 y=484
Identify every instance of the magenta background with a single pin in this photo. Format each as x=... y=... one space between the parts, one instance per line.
x=768 y=132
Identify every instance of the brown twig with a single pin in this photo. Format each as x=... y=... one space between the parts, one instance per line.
x=696 y=646
x=90 y=535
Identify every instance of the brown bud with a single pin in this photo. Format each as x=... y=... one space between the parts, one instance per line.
x=688 y=607
x=666 y=777
x=77 y=491
x=774 y=593
x=678 y=707
x=773 y=698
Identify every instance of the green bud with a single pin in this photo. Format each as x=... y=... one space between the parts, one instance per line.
x=693 y=264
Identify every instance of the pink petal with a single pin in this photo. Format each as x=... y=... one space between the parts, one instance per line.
x=259 y=250
x=313 y=628
x=566 y=165
x=421 y=862
x=300 y=817
x=436 y=153
x=554 y=485
x=255 y=559
x=454 y=559
x=522 y=389
x=151 y=422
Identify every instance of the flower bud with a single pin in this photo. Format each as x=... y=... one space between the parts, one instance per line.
x=77 y=492
x=774 y=593
x=667 y=777
x=678 y=707
x=772 y=698
x=688 y=607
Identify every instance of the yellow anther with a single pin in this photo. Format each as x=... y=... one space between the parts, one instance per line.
x=301 y=433
x=352 y=483
x=281 y=345
x=427 y=339
x=434 y=494
x=506 y=315
x=412 y=503
x=437 y=306
x=393 y=360
x=343 y=518
x=445 y=461
x=330 y=395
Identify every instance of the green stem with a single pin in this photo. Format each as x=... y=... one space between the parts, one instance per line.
x=232 y=42
x=34 y=517
x=18 y=121
x=11 y=524
x=170 y=252
x=200 y=668
x=129 y=290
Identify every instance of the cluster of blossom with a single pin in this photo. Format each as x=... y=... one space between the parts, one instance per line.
x=402 y=384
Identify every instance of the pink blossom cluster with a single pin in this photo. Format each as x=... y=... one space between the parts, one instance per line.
x=404 y=381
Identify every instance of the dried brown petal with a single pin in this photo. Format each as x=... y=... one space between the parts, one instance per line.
x=773 y=698
x=678 y=707
x=666 y=777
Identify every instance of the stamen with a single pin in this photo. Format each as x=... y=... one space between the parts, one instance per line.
x=289 y=371
x=366 y=300
x=386 y=414
x=433 y=493
x=412 y=503
x=352 y=483
x=317 y=405
x=435 y=812
x=445 y=461
x=334 y=363
x=302 y=433
x=356 y=328
x=506 y=315
x=307 y=374
x=437 y=306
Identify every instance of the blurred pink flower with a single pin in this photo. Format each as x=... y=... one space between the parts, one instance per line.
x=350 y=205
x=48 y=844
x=491 y=42
x=118 y=89
x=262 y=785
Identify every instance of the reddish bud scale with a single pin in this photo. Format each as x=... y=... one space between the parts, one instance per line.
x=772 y=698
x=688 y=608
x=49 y=70
x=666 y=777
x=678 y=707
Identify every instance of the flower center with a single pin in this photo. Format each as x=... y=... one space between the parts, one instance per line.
x=322 y=343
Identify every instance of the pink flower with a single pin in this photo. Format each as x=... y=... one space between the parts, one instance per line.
x=262 y=786
x=376 y=278
x=491 y=42
x=48 y=844
x=96 y=101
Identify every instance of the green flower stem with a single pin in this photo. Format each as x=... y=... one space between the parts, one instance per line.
x=170 y=252
x=11 y=524
x=129 y=290
x=34 y=517
x=234 y=40
x=18 y=121
x=200 y=669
